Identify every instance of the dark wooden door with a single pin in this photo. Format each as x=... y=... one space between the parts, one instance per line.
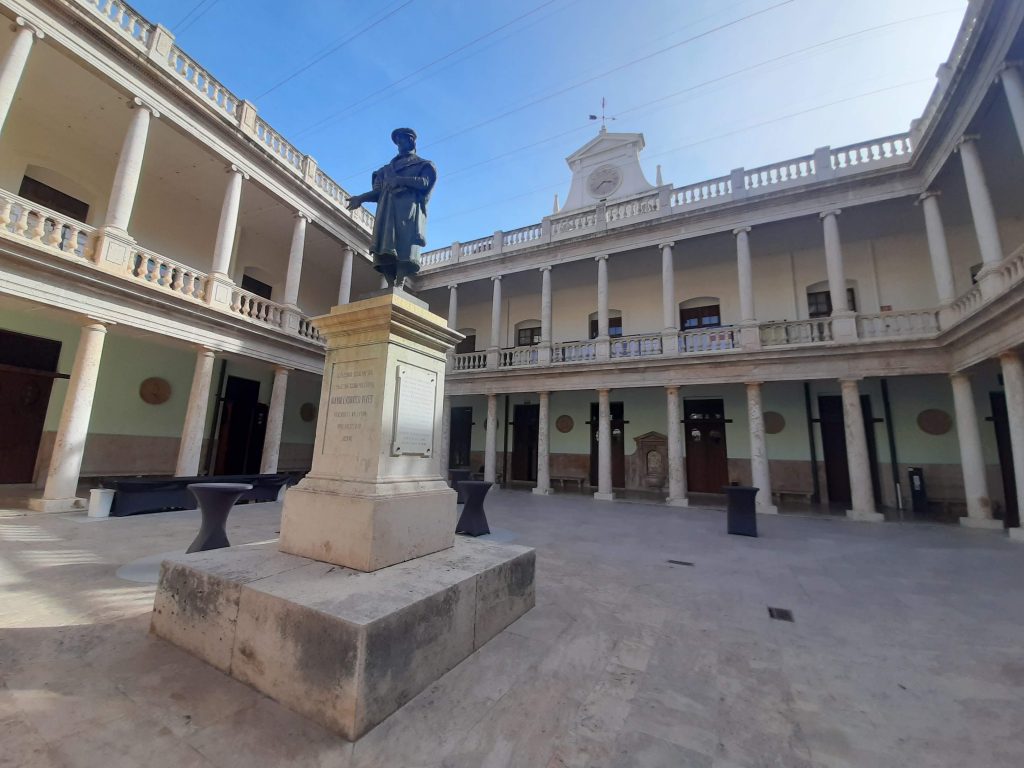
x=28 y=366
x=833 y=443
x=243 y=425
x=460 y=438
x=618 y=427
x=707 y=456
x=525 y=421
x=1001 y=422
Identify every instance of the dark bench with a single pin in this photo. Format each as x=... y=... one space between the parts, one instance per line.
x=136 y=495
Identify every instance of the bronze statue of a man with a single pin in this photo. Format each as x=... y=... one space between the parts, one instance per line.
x=401 y=190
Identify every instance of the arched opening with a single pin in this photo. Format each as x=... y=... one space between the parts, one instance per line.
x=257 y=280
x=700 y=312
x=527 y=333
x=56 y=192
x=614 y=324
x=819 y=298
x=468 y=344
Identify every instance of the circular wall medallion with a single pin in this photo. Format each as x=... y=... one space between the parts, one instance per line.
x=307 y=411
x=155 y=390
x=774 y=422
x=934 y=422
x=603 y=181
x=564 y=423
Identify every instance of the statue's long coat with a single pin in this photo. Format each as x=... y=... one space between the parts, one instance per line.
x=400 y=225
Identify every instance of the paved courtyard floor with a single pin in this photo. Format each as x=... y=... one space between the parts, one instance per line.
x=907 y=650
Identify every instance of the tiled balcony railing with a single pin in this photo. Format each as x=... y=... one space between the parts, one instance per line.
x=70 y=241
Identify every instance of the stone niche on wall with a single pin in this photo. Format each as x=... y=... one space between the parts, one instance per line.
x=647 y=468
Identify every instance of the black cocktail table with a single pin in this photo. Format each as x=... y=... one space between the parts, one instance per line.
x=473 y=521
x=215 y=503
x=741 y=516
x=456 y=476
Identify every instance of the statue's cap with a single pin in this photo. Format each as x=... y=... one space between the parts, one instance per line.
x=406 y=131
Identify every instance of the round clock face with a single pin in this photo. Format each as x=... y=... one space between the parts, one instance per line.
x=604 y=181
x=155 y=390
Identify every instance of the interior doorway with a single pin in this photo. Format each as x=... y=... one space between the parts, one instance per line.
x=1001 y=422
x=460 y=438
x=525 y=425
x=618 y=429
x=833 y=443
x=28 y=366
x=243 y=425
x=707 y=455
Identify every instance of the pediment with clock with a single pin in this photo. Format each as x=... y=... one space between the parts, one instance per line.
x=606 y=168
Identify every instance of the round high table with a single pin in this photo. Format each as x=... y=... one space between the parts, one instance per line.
x=457 y=476
x=741 y=515
x=215 y=503
x=473 y=521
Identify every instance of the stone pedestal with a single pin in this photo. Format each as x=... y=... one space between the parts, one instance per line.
x=347 y=646
x=375 y=496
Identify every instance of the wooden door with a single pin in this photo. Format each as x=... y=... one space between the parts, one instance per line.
x=525 y=421
x=28 y=366
x=1001 y=422
x=707 y=456
x=243 y=425
x=460 y=438
x=618 y=429
x=833 y=442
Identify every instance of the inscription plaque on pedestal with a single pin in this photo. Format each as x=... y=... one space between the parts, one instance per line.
x=415 y=399
x=351 y=404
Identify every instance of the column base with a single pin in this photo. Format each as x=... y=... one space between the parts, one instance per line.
x=542 y=491
x=981 y=522
x=72 y=504
x=750 y=336
x=1015 y=534
x=682 y=501
x=766 y=509
x=604 y=496
x=865 y=517
x=844 y=326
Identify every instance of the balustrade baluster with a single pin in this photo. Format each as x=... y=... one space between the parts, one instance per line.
x=70 y=242
x=36 y=233
x=53 y=237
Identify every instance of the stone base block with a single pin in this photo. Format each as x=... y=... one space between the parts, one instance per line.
x=72 y=504
x=766 y=509
x=604 y=496
x=981 y=522
x=865 y=517
x=542 y=491
x=341 y=647
x=367 y=532
x=1015 y=534
x=682 y=501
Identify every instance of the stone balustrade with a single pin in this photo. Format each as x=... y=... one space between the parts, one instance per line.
x=702 y=193
x=469 y=361
x=22 y=218
x=125 y=18
x=889 y=150
x=256 y=308
x=787 y=173
x=636 y=346
x=307 y=331
x=706 y=340
x=790 y=332
x=166 y=274
x=573 y=351
x=902 y=325
x=518 y=357
x=280 y=147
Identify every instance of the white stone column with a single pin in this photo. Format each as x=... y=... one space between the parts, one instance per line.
x=604 y=447
x=190 y=449
x=228 y=222
x=491 y=440
x=345 y=286
x=69 y=445
x=982 y=210
x=1013 y=86
x=676 y=465
x=942 y=268
x=745 y=275
x=858 y=460
x=453 y=306
x=295 y=252
x=495 y=346
x=603 y=345
x=759 y=469
x=834 y=262
x=13 y=64
x=1013 y=384
x=544 y=350
x=972 y=459
x=543 y=446
x=129 y=167
x=275 y=422
x=669 y=314
x=444 y=455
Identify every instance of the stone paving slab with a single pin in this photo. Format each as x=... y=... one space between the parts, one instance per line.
x=905 y=651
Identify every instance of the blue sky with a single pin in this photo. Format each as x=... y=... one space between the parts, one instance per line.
x=500 y=91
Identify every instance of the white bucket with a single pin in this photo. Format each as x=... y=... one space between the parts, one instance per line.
x=100 y=500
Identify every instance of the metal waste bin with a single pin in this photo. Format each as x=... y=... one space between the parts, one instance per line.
x=918 y=492
x=741 y=515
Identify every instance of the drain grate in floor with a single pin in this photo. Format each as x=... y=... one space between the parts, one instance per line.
x=782 y=614
x=678 y=562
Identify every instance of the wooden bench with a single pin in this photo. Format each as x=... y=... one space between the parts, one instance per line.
x=780 y=493
x=563 y=479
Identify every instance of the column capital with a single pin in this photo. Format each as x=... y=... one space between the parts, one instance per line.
x=959 y=375
x=545 y=268
x=138 y=102
x=667 y=244
x=20 y=22
x=967 y=138
x=740 y=230
x=830 y=212
x=603 y=391
x=302 y=215
x=602 y=257
x=1006 y=66
x=282 y=369
x=87 y=320
x=235 y=168
x=926 y=194
x=672 y=389
x=757 y=383
x=206 y=351
x=543 y=394
x=1009 y=354
x=845 y=380
x=495 y=278
x=453 y=286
